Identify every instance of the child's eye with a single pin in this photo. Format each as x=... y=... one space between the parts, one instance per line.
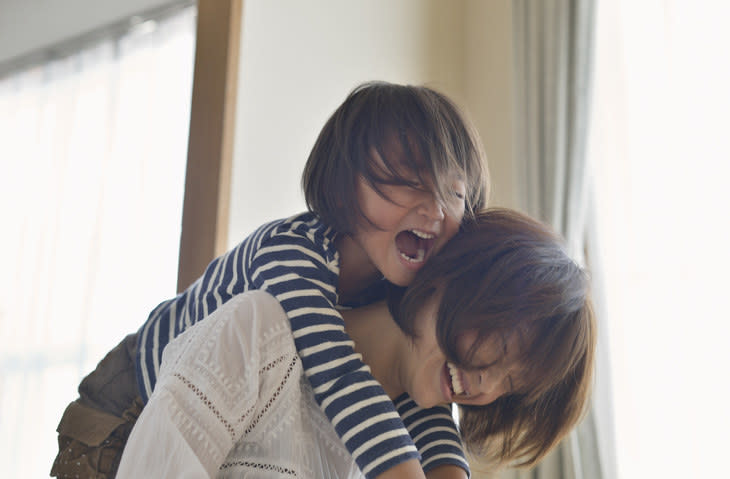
x=458 y=190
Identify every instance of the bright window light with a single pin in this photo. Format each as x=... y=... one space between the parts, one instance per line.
x=92 y=164
x=661 y=152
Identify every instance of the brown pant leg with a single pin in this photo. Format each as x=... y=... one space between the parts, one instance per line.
x=94 y=428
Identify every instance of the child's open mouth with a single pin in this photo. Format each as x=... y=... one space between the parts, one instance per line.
x=414 y=245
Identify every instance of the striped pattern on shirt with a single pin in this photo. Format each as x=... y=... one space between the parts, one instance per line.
x=296 y=261
x=433 y=432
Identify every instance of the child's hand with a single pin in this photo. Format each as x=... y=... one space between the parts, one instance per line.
x=447 y=471
x=410 y=469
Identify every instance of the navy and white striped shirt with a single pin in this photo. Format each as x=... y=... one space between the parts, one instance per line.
x=296 y=261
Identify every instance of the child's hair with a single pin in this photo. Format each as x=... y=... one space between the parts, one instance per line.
x=505 y=274
x=422 y=136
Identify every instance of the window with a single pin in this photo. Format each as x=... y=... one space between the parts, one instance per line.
x=92 y=154
x=660 y=149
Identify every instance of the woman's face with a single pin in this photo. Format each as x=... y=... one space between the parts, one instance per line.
x=431 y=379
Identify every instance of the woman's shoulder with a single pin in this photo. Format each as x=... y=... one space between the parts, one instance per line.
x=253 y=311
x=241 y=334
x=253 y=314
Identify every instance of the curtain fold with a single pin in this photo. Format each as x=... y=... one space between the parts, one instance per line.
x=553 y=50
x=553 y=41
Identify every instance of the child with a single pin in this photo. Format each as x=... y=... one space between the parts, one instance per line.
x=499 y=322
x=387 y=183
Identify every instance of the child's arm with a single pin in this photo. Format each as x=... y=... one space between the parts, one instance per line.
x=437 y=438
x=302 y=276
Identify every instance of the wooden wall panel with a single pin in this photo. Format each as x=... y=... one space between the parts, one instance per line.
x=210 y=147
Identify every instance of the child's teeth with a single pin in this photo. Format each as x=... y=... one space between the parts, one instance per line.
x=455 y=381
x=422 y=235
x=420 y=255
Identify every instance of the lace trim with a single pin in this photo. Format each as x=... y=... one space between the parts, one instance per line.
x=258 y=465
x=284 y=380
x=324 y=430
x=271 y=365
x=204 y=399
x=243 y=417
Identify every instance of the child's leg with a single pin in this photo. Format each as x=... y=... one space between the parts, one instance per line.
x=94 y=428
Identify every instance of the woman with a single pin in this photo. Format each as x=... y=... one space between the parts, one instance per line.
x=499 y=322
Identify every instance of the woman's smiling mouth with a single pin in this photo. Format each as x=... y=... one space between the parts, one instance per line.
x=457 y=386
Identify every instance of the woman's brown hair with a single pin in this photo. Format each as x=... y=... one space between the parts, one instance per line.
x=422 y=136
x=503 y=274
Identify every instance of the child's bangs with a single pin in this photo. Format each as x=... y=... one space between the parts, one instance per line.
x=394 y=159
x=422 y=139
x=408 y=157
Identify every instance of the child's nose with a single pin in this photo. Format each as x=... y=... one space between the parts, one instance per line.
x=431 y=207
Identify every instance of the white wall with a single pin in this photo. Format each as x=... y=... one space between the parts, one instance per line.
x=298 y=62
x=488 y=82
x=300 y=59
x=29 y=25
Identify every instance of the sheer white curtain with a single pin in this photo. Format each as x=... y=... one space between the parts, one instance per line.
x=92 y=163
x=661 y=153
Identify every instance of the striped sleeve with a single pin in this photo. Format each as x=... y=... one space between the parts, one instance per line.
x=434 y=432
x=304 y=282
x=224 y=278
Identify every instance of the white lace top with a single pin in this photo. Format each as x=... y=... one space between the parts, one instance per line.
x=232 y=400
